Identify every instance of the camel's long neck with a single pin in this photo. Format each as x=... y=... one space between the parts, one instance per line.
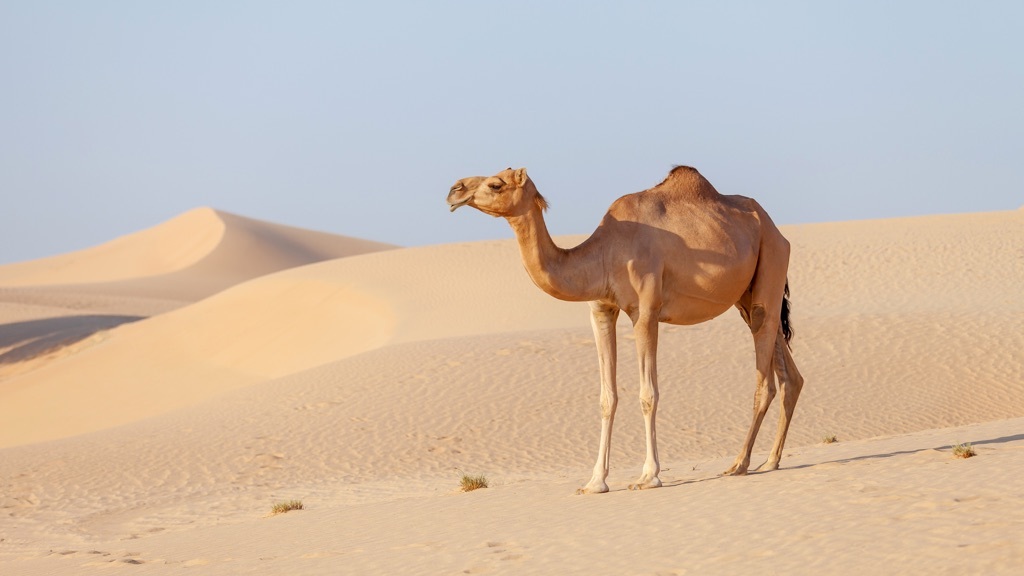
x=576 y=274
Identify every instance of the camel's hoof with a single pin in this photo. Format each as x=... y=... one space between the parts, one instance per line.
x=644 y=485
x=596 y=489
x=768 y=467
x=735 y=471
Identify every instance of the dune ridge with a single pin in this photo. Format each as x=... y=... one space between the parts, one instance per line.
x=184 y=259
x=364 y=385
x=167 y=247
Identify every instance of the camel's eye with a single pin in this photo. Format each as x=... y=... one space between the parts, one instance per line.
x=495 y=186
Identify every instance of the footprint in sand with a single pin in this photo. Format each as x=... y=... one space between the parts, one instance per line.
x=102 y=557
x=445 y=442
x=497 y=552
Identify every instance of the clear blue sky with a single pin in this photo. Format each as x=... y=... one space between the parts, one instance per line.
x=356 y=117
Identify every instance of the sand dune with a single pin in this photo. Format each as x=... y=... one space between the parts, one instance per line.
x=364 y=385
x=54 y=307
x=184 y=259
x=173 y=245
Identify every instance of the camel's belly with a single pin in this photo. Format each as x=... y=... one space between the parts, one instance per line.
x=682 y=311
x=689 y=311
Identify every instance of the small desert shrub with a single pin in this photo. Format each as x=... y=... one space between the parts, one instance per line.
x=963 y=450
x=829 y=439
x=470 y=483
x=282 y=507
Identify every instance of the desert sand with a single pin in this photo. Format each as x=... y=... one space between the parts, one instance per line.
x=161 y=392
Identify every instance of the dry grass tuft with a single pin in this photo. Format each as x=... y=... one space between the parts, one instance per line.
x=963 y=450
x=829 y=439
x=282 y=507
x=470 y=483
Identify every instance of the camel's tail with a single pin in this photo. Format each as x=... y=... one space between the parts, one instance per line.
x=785 y=324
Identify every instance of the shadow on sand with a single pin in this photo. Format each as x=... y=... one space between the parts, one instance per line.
x=685 y=481
x=1000 y=440
x=23 y=341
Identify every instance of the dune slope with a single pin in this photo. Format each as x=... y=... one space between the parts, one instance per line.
x=364 y=386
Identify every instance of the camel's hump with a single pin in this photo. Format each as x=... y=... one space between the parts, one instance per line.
x=687 y=181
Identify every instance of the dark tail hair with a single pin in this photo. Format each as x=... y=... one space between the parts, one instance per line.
x=787 y=326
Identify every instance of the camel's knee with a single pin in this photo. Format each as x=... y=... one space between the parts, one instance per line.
x=793 y=388
x=765 y=391
x=789 y=375
x=788 y=379
x=608 y=405
x=648 y=401
x=797 y=382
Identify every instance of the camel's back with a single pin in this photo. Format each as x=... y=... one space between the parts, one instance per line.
x=686 y=204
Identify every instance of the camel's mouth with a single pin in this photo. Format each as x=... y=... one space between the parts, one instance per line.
x=452 y=206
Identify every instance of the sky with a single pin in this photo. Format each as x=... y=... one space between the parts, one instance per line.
x=356 y=117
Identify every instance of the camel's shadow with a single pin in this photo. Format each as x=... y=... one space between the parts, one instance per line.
x=679 y=482
x=882 y=455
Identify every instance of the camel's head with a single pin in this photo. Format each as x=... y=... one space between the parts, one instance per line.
x=507 y=193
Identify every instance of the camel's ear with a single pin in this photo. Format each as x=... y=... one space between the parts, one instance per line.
x=521 y=177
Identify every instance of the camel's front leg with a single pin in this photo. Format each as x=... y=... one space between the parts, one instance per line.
x=602 y=319
x=646 y=330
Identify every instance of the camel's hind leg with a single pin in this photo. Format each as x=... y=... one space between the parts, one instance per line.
x=764 y=349
x=790 y=385
x=762 y=307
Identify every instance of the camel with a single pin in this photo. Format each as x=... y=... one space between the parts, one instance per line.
x=679 y=253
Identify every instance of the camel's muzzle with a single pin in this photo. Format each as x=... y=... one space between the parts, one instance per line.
x=454 y=200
